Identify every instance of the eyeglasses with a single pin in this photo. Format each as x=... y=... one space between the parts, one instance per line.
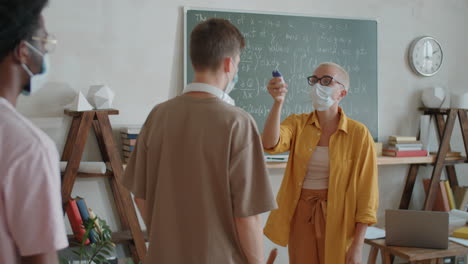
x=49 y=42
x=325 y=80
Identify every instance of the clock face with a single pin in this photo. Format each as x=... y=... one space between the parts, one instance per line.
x=426 y=56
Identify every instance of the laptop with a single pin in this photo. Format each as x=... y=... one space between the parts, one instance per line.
x=421 y=229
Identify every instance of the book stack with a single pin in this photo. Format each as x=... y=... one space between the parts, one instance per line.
x=129 y=137
x=78 y=214
x=460 y=194
x=399 y=146
x=461 y=233
x=446 y=198
x=450 y=155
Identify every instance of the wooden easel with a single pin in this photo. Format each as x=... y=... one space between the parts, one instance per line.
x=444 y=129
x=76 y=141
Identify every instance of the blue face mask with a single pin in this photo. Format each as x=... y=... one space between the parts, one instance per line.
x=37 y=80
x=232 y=84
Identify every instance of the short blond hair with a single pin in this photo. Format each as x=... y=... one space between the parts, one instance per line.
x=344 y=74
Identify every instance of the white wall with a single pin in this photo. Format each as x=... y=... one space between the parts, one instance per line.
x=137 y=48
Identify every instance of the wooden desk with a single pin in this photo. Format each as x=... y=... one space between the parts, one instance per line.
x=414 y=255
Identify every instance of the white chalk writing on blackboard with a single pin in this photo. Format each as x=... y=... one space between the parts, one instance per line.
x=296 y=45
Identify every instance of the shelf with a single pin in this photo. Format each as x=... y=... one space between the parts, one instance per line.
x=383 y=160
x=452 y=161
x=108 y=174
x=418 y=160
x=82 y=124
x=442 y=111
x=94 y=175
x=125 y=236
x=79 y=113
x=445 y=123
x=117 y=237
x=391 y=161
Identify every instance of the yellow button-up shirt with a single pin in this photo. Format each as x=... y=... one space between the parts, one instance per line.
x=353 y=187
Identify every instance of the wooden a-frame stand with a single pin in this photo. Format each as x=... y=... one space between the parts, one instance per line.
x=444 y=131
x=76 y=141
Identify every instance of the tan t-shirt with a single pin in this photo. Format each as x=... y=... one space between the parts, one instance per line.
x=198 y=163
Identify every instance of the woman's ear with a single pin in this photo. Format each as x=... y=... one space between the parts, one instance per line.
x=343 y=93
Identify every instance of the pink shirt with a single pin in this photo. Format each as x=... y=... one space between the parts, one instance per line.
x=31 y=218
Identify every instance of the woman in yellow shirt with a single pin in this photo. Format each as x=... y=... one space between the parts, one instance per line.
x=329 y=193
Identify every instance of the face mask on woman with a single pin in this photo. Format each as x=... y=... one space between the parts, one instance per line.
x=322 y=97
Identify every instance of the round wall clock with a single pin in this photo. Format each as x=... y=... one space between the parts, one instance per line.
x=425 y=56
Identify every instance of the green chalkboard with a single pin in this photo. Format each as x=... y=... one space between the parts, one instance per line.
x=296 y=45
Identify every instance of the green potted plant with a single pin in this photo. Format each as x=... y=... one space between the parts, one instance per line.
x=94 y=253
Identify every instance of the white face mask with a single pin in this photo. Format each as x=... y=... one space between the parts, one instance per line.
x=38 y=80
x=322 y=97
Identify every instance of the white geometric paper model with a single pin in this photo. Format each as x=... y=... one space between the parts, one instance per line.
x=433 y=97
x=91 y=92
x=459 y=100
x=79 y=104
x=101 y=96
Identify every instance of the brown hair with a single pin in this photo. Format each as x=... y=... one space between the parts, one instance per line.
x=213 y=40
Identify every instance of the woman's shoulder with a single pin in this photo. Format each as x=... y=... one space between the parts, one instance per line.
x=357 y=127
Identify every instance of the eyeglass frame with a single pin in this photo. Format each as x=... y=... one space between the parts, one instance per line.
x=49 y=39
x=319 y=80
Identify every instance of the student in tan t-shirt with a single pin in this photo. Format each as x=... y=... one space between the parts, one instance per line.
x=197 y=171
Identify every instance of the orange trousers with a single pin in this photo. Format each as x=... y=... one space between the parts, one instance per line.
x=307 y=235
